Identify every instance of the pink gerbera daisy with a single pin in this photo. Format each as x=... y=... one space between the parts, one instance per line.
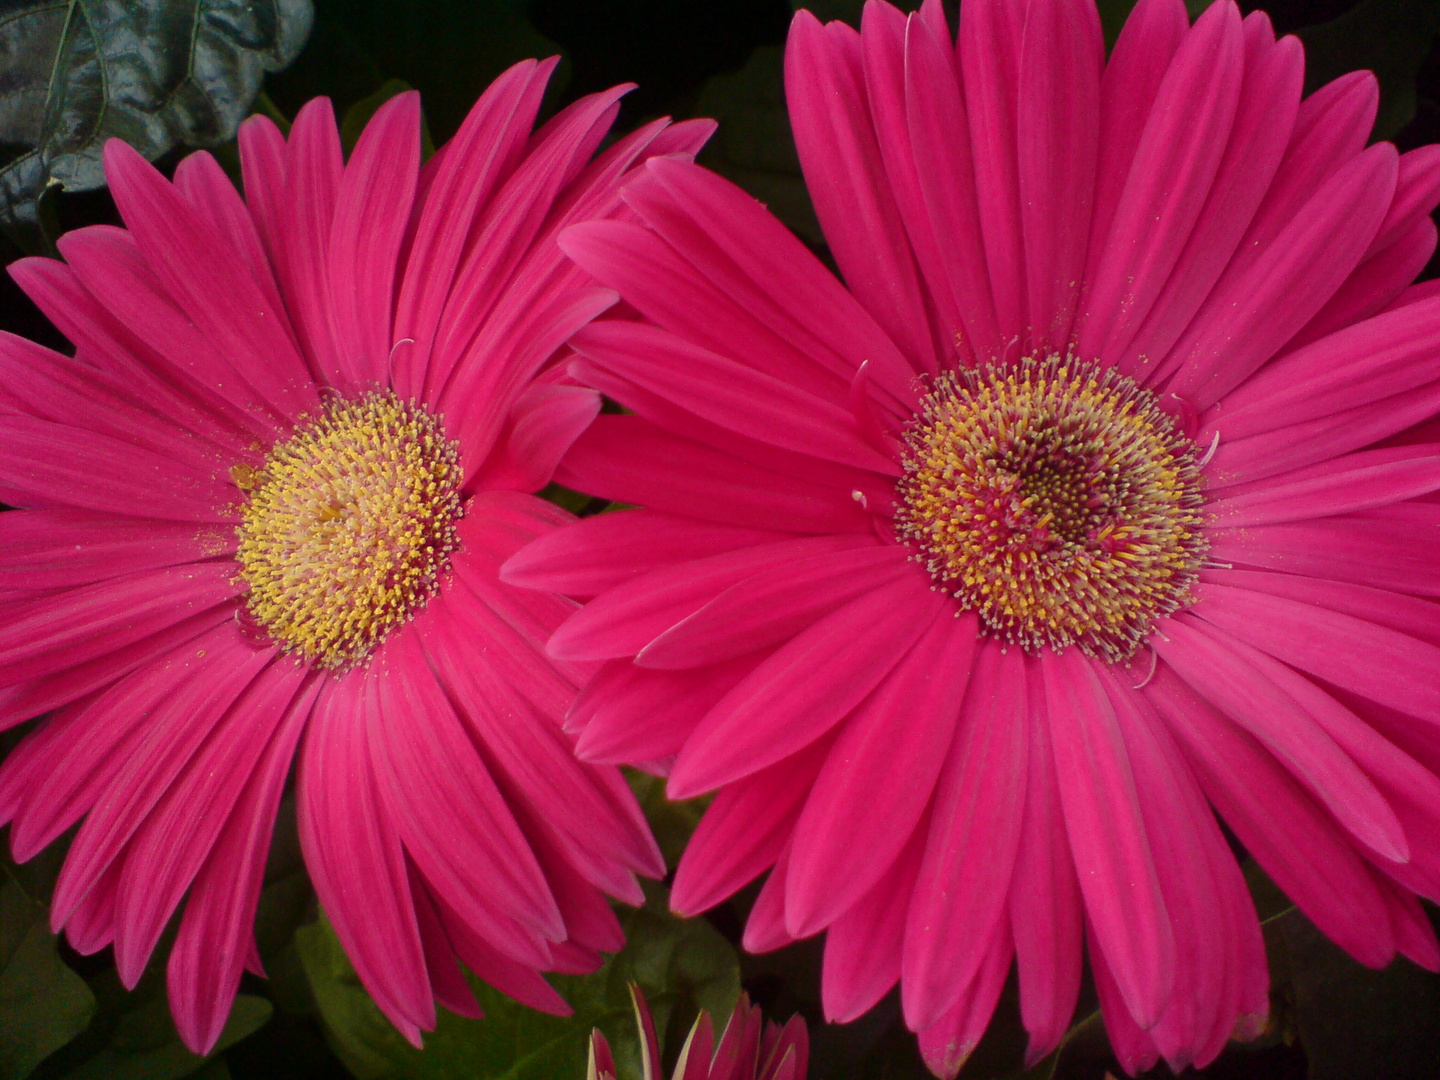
x=264 y=509
x=1095 y=507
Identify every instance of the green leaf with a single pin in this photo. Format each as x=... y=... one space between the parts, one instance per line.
x=43 y=1004
x=682 y=965
x=1390 y=37
x=1356 y=1023
x=143 y=1044
x=151 y=72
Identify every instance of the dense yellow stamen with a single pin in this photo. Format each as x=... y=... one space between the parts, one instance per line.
x=1056 y=500
x=348 y=527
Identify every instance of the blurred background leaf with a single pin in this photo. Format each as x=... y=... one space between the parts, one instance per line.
x=683 y=965
x=151 y=72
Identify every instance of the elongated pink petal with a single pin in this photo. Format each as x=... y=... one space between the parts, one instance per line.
x=724 y=233
x=961 y=893
x=779 y=708
x=48 y=549
x=864 y=946
x=544 y=422
x=180 y=832
x=1108 y=836
x=626 y=459
x=1399 y=671
x=625 y=620
x=835 y=137
x=598 y=553
x=1046 y=908
x=372 y=210
x=355 y=858
x=1057 y=144
x=197 y=267
x=745 y=829
x=771 y=606
x=939 y=135
x=203 y=973
x=165 y=743
x=729 y=394
x=1219 y=669
x=947 y=1044
x=829 y=872
x=1297 y=843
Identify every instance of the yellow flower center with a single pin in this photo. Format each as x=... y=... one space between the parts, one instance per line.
x=1055 y=499
x=348 y=527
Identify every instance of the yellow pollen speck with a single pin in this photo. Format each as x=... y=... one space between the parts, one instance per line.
x=348 y=527
x=1055 y=499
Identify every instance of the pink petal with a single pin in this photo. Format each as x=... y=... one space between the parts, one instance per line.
x=447 y=810
x=44 y=464
x=1175 y=163
x=1133 y=76
x=544 y=422
x=205 y=964
x=628 y=714
x=773 y=605
x=745 y=829
x=1364 y=550
x=1360 y=481
x=883 y=32
x=49 y=549
x=1264 y=120
x=73 y=680
x=56 y=631
x=482 y=153
x=109 y=264
x=839 y=155
x=355 y=858
x=1398 y=670
x=624 y=620
x=989 y=48
x=1057 y=119
x=1375 y=283
x=1044 y=895
x=1108 y=836
x=1375 y=359
x=1219 y=669
x=598 y=553
x=745 y=251
x=532 y=752
x=629 y=460
x=197 y=266
x=1296 y=842
x=947 y=1044
x=964 y=883
x=810 y=684
x=372 y=210
x=869 y=792
x=653 y=277
x=729 y=394
x=165 y=742
x=864 y=946
x=1282 y=291
x=314 y=170
x=179 y=833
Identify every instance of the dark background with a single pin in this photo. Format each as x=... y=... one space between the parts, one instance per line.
x=1332 y=1019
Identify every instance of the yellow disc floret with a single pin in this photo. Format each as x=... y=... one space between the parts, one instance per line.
x=348 y=527
x=1055 y=499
